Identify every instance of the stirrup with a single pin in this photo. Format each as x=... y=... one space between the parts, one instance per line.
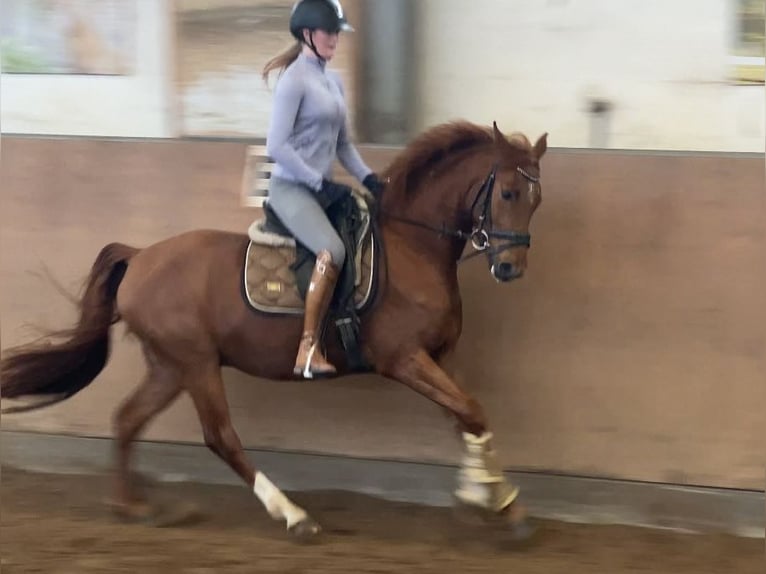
x=305 y=370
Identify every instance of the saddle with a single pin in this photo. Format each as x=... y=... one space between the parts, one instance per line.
x=278 y=270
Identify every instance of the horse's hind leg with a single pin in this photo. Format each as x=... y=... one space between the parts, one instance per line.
x=159 y=388
x=206 y=388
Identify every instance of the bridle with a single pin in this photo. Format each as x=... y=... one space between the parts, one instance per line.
x=482 y=232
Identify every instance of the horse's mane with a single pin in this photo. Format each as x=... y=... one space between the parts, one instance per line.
x=429 y=148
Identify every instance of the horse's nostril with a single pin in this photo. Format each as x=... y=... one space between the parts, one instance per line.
x=503 y=271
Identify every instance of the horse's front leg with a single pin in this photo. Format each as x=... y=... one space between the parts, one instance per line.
x=481 y=482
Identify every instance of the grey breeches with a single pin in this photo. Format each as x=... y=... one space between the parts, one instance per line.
x=297 y=207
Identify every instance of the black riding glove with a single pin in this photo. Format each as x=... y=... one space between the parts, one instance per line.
x=375 y=185
x=331 y=191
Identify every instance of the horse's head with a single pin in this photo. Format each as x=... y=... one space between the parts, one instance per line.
x=463 y=181
x=504 y=205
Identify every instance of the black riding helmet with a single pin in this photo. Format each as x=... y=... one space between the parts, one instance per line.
x=324 y=15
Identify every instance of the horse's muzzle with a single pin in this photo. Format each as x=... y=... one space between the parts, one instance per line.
x=505 y=272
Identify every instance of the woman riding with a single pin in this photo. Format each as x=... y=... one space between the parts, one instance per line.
x=308 y=132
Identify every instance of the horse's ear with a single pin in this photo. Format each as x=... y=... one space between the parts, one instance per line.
x=517 y=143
x=499 y=137
x=541 y=146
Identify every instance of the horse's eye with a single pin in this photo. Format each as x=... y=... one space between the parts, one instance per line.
x=510 y=194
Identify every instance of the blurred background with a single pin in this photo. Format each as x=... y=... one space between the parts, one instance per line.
x=634 y=74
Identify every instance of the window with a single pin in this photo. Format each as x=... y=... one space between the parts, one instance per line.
x=74 y=37
x=749 y=52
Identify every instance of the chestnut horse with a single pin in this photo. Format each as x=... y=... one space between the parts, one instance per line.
x=182 y=299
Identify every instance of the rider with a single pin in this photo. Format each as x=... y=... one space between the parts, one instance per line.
x=308 y=131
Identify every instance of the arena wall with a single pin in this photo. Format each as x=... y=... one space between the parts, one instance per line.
x=632 y=349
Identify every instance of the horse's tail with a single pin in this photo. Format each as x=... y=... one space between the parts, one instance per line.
x=51 y=372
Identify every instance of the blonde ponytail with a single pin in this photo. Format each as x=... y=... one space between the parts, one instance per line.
x=282 y=60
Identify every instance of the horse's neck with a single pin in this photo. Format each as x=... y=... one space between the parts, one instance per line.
x=441 y=203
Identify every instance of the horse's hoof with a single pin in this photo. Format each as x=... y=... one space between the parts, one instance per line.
x=512 y=524
x=522 y=531
x=176 y=514
x=156 y=516
x=306 y=530
x=130 y=512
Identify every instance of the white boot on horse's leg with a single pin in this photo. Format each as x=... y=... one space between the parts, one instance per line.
x=280 y=507
x=481 y=481
x=482 y=485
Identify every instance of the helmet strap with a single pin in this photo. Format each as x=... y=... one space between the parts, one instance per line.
x=313 y=47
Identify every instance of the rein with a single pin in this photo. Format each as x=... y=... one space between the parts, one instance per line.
x=479 y=235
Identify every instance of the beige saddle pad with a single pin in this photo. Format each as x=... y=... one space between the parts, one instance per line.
x=270 y=284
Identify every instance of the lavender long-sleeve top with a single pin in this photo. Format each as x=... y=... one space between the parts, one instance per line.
x=308 y=127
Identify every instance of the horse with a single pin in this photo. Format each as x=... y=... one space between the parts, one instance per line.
x=181 y=298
